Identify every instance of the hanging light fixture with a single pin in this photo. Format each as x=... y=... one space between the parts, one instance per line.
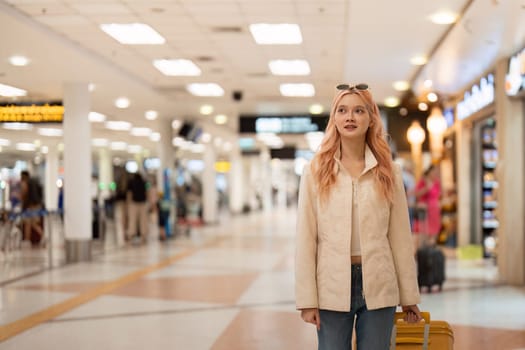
x=416 y=137
x=436 y=126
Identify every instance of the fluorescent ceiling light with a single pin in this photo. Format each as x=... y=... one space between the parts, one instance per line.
x=4 y=142
x=17 y=126
x=289 y=67
x=51 y=132
x=418 y=60
x=118 y=125
x=118 y=146
x=19 y=61
x=96 y=117
x=134 y=148
x=24 y=146
x=205 y=89
x=133 y=34
x=177 y=67
x=151 y=115
x=276 y=34
x=297 y=90
x=141 y=132
x=122 y=102
x=44 y=149
x=99 y=142
x=391 y=101
x=401 y=85
x=444 y=17
x=10 y=91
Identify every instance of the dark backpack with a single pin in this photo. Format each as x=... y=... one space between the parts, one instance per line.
x=34 y=192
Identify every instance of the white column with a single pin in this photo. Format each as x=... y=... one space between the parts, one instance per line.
x=464 y=175
x=51 y=189
x=209 y=189
x=235 y=182
x=105 y=172
x=510 y=174
x=165 y=151
x=77 y=172
x=266 y=179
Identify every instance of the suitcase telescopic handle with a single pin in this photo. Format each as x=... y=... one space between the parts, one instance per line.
x=400 y=315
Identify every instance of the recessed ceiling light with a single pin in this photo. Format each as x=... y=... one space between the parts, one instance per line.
x=50 y=132
x=96 y=117
x=444 y=17
x=4 y=142
x=297 y=90
x=428 y=83
x=118 y=146
x=401 y=85
x=316 y=109
x=133 y=34
x=422 y=106
x=155 y=136
x=206 y=109
x=177 y=67
x=10 y=91
x=24 y=146
x=17 y=126
x=122 y=102
x=276 y=34
x=175 y=124
x=418 y=60
x=140 y=131
x=118 y=125
x=91 y=87
x=205 y=89
x=391 y=101
x=221 y=119
x=151 y=115
x=99 y=142
x=289 y=67
x=432 y=97
x=19 y=60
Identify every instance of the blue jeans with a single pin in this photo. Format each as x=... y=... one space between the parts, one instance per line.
x=373 y=327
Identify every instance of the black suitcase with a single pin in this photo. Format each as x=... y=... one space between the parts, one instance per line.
x=430 y=267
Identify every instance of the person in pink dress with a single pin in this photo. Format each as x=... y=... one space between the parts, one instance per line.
x=428 y=194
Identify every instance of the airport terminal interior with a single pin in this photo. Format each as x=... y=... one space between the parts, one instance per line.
x=151 y=154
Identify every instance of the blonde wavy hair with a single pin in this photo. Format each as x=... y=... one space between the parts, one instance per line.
x=323 y=163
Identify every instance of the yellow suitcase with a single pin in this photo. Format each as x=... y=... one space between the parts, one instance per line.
x=430 y=335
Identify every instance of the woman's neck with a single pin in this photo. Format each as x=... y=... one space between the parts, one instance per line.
x=352 y=150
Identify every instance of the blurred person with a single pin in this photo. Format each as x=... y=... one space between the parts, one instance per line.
x=354 y=254
x=409 y=181
x=138 y=210
x=120 y=197
x=428 y=194
x=31 y=197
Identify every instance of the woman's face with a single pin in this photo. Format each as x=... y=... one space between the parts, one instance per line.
x=351 y=117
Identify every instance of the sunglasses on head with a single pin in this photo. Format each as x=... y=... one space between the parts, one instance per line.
x=361 y=87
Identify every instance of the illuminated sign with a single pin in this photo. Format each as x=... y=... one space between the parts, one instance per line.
x=32 y=114
x=480 y=96
x=515 y=77
x=285 y=124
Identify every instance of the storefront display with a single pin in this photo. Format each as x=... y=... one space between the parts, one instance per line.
x=489 y=185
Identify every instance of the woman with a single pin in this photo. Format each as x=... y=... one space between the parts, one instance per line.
x=354 y=254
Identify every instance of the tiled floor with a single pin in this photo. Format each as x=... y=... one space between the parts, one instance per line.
x=228 y=286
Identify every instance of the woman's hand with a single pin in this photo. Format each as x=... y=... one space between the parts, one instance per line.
x=311 y=316
x=412 y=313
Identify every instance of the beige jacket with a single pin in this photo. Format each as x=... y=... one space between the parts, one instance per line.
x=322 y=263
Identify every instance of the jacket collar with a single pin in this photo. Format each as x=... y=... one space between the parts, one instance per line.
x=370 y=159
